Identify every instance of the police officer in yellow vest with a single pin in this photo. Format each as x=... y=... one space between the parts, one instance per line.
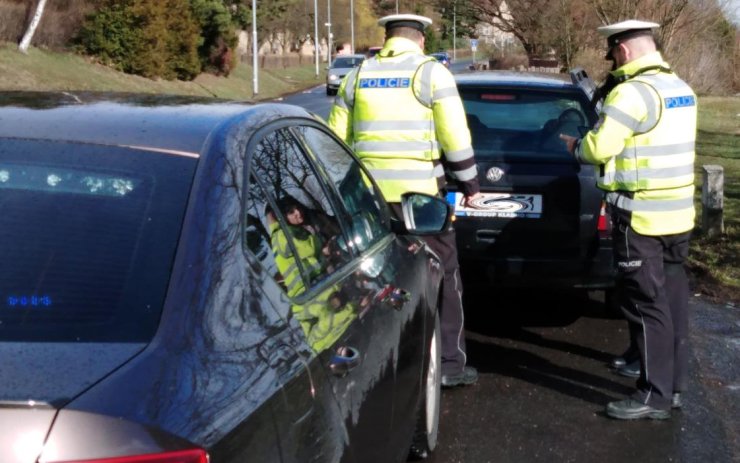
x=643 y=146
x=400 y=110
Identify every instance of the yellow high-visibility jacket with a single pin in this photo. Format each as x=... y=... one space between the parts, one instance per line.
x=308 y=250
x=399 y=111
x=644 y=146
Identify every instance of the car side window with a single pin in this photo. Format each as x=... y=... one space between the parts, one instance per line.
x=290 y=224
x=367 y=209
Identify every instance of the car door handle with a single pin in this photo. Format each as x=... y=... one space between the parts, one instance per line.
x=345 y=359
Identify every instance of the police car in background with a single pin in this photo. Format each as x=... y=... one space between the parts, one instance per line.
x=541 y=220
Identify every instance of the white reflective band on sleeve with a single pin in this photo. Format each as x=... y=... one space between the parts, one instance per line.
x=622 y=117
x=439 y=170
x=459 y=155
x=466 y=174
x=425 y=93
x=445 y=93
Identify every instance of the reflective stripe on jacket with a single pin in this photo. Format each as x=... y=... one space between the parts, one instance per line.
x=399 y=111
x=645 y=145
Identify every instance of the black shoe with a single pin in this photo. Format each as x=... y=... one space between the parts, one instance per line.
x=467 y=377
x=676 y=401
x=631 y=370
x=629 y=356
x=633 y=410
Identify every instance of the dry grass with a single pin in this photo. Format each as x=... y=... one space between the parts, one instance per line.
x=47 y=70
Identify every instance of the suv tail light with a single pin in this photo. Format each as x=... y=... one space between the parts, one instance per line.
x=178 y=456
x=603 y=224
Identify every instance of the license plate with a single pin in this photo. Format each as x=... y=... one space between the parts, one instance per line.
x=498 y=205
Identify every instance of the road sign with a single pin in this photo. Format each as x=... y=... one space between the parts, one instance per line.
x=473 y=44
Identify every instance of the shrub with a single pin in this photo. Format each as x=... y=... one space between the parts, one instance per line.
x=218 y=36
x=152 y=38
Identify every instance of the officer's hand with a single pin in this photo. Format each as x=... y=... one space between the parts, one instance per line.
x=467 y=201
x=570 y=142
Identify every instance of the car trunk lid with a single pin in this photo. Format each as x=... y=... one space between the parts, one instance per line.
x=41 y=378
x=542 y=211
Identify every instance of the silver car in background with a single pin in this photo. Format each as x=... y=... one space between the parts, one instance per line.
x=339 y=68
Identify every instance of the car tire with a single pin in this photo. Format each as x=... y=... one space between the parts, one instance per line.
x=330 y=92
x=427 y=425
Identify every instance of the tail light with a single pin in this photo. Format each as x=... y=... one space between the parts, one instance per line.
x=603 y=223
x=178 y=456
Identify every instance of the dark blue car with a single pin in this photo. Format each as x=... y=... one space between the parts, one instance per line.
x=442 y=57
x=192 y=281
x=541 y=220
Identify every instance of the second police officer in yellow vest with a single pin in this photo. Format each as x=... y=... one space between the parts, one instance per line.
x=402 y=114
x=643 y=147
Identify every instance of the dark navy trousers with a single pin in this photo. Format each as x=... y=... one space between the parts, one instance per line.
x=653 y=293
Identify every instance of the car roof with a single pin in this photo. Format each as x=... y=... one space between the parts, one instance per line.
x=170 y=123
x=356 y=55
x=514 y=78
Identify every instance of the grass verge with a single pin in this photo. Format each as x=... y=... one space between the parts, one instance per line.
x=713 y=262
x=47 y=70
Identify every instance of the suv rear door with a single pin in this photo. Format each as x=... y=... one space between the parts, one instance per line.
x=553 y=208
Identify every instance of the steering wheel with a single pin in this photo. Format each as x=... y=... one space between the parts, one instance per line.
x=571 y=115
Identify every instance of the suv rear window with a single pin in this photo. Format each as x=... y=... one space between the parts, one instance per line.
x=510 y=121
x=87 y=239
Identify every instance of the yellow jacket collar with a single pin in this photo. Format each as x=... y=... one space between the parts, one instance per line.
x=651 y=59
x=398 y=45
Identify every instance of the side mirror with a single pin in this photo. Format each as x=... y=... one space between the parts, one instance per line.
x=424 y=214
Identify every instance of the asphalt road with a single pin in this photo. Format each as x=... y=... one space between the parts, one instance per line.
x=544 y=379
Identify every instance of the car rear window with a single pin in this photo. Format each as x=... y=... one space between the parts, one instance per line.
x=511 y=121
x=87 y=240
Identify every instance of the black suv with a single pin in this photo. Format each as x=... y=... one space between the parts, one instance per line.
x=541 y=220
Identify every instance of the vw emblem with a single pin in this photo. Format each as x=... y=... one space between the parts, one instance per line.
x=494 y=174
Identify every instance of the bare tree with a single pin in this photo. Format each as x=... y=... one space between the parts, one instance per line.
x=530 y=21
x=28 y=36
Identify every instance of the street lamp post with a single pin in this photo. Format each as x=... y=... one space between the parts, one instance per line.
x=454 y=32
x=328 y=31
x=316 y=33
x=352 y=22
x=255 y=71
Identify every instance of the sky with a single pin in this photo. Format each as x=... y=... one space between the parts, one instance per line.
x=732 y=10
